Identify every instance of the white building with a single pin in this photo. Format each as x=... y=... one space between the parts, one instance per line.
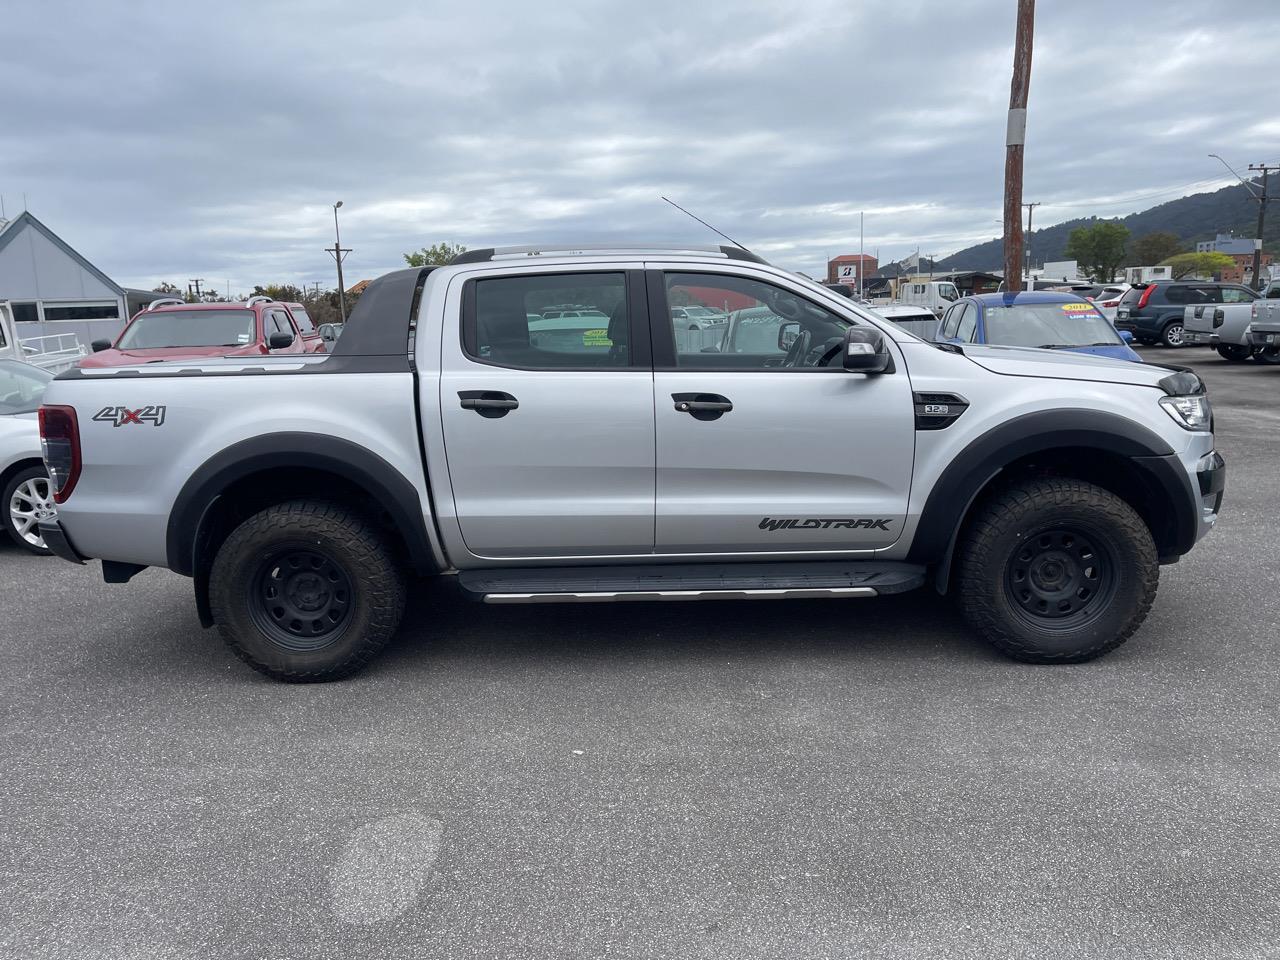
x=52 y=289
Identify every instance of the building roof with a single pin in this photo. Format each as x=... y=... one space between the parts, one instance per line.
x=14 y=227
x=851 y=257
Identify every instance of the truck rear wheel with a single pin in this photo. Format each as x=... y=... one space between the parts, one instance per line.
x=1057 y=571
x=306 y=591
x=1234 y=352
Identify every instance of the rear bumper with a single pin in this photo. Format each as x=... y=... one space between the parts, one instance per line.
x=1264 y=338
x=55 y=539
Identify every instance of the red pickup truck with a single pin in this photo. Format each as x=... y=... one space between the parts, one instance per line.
x=173 y=330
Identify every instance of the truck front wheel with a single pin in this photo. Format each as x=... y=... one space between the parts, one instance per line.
x=306 y=591
x=1057 y=571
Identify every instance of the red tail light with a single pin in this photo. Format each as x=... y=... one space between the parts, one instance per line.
x=1146 y=295
x=60 y=440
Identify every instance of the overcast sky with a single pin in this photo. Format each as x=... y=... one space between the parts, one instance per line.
x=167 y=141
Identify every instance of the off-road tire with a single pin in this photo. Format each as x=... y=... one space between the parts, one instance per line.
x=1267 y=355
x=1008 y=527
x=353 y=549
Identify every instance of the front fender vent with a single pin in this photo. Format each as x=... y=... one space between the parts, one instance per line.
x=937 y=411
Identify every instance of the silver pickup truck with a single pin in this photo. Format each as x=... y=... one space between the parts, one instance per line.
x=1264 y=325
x=1222 y=323
x=465 y=427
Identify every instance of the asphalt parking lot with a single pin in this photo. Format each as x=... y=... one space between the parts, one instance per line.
x=732 y=780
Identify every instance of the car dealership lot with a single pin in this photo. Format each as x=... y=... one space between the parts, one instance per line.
x=805 y=778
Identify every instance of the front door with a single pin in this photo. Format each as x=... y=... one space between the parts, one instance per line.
x=763 y=447
x=547 y=407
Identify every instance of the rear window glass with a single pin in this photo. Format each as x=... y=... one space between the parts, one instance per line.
x=304 y=322
x=1132 y=295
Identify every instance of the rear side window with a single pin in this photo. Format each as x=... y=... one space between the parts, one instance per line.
x=523 y=322
x=1179 y=294
x=1237 y=295
x=304 y=322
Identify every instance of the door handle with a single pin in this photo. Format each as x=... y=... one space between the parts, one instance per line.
x=488 y=403
x=702 y=406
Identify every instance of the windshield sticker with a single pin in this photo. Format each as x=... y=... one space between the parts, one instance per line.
x=1077 y=307
x=242 y=338
x=596 y=338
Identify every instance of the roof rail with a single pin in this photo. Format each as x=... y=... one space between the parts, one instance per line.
x=487 y=254
x=164 y=300
x=258 y=299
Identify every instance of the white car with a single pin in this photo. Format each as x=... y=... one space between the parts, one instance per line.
x=1108 y=299
x=24 y=486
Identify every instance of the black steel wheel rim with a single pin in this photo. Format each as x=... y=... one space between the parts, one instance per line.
x=301 y=599
x=1060 y=577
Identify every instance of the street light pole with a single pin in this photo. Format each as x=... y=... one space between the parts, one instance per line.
x=339 y=253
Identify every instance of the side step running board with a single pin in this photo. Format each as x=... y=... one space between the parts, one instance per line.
x=701 y=581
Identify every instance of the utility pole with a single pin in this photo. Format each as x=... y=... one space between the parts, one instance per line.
x=1015 y=139
x=1263 y=199
x=196 y=282
x=339 y=253
x=1030 y=208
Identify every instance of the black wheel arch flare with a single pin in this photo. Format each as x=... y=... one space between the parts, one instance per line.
x=361 y=467
x=979 y=463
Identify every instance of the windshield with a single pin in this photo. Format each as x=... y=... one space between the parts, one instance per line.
x=1072 y=324
x=189 y=328
x=21 y=387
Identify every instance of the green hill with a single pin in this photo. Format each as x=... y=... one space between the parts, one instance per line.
x=1200 y=216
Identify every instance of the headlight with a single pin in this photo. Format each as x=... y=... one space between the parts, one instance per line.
x=1191 y=413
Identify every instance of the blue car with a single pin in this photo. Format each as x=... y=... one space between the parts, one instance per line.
x=1035 y=318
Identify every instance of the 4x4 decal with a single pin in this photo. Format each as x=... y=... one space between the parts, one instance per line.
x=119 y=416
x=860 y=523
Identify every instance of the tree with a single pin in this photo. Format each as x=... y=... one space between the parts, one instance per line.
x=1156 y=247
x=166 y=287
x=1098 y=249
x=437 y=254
x=1199 y=264
x=279 y=291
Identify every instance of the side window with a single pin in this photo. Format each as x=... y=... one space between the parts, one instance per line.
x=300 y=317
x=279 y=323
x=949 y=320
x=968 y=323
x=1177 y=293
x=1205 y=294
x=1237 y=295
x=746 y=324
x=548 y=320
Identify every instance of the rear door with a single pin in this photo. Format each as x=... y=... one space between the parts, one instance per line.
x=760 y=449
x=548 y=420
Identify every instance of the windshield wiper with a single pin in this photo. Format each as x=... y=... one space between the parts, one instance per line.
x=1055 y=346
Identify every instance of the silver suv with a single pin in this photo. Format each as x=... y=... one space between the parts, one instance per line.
x=810 y=449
